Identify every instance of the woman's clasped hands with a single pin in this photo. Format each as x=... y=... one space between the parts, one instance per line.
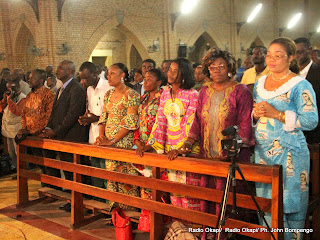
x=103 y=141
x=184 y=150
x=264 y=109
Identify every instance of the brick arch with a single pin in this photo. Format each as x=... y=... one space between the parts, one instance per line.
x=256 y=40
x=200 y=47
x=134 y=57
x=21 y=25
x=208 y=35
x=23 y=40
x=127 y=28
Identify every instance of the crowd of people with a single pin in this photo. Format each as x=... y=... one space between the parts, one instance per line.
x=178 y=109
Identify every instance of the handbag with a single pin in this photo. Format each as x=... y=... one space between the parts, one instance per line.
x=122 y=224
x=144 y=221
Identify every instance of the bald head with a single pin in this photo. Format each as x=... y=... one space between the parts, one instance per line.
x=65 y=70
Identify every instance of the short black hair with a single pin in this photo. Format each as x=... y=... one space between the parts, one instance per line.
x=88 y=65
x=53 y=77
x=263 y=49
x=167 y=61
x=42 y=74
x=195 y=65
x=5 y=70
x=159 y=75
x=149 y=60
x=123 y=68
x=303 y=40
x=316 y=51
x=215 y=53
x=186 y=73
x=16 y=83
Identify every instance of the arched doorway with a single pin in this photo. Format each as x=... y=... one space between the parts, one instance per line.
x=200 y=47
x=110 y=49
x=135 y=58
x=26 y=51
x=256 y=42
x=117 y=45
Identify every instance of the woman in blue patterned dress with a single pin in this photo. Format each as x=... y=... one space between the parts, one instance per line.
x=281 y=114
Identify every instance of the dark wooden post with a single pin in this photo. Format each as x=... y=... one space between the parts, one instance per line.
x=22 y=182
x=156 y=222
x=277 y=202
x=76 y=198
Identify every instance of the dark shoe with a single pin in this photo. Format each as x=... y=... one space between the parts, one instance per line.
x=14 y=177
x=66 y=207
x=89 y=211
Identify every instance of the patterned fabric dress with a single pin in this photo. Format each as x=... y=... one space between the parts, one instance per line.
x=232 y=106
x=147 y=118
x=117 y=115
x=169 y=132
x=285 y=144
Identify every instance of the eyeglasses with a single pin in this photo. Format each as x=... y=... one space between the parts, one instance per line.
x=275 y=57
x=220 y=67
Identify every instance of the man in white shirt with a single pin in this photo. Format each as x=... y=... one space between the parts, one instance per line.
x=310 y=71
x=96 y=90
x=24 y=87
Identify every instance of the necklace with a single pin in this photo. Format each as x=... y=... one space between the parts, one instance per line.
x=279 y=79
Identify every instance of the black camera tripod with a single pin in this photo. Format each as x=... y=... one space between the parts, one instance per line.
x=233 y=147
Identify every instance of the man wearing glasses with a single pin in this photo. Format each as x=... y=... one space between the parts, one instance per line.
x=260 y=68
x=310 y=71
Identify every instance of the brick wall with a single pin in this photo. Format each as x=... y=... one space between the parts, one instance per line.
x=86 y=24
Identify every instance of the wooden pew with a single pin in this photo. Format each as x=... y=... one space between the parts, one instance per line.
x=313 y=211
x=214 y=167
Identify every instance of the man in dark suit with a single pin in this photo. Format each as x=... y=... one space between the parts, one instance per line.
x=310 y=71
x=68 y=106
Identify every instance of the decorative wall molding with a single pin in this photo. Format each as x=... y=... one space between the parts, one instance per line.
x=35 y=7
x=59 y=8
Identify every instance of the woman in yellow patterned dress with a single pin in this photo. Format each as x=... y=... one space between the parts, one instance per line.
x=117 y=122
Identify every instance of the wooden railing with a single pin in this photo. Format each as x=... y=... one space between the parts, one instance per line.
x=214 y=167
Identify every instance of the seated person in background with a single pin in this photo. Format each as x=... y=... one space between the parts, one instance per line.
x=11 y=105
x=315 y=56
x=200 y=78
x=52 y=83
x=248 y=63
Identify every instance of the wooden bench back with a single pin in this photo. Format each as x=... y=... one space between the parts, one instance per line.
x=214 y=167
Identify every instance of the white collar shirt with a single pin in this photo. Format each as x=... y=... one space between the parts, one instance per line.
x=95 y=105
x=142 y=87
x=304 y=72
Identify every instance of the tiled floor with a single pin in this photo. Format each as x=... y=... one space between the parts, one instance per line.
x=42 y=221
